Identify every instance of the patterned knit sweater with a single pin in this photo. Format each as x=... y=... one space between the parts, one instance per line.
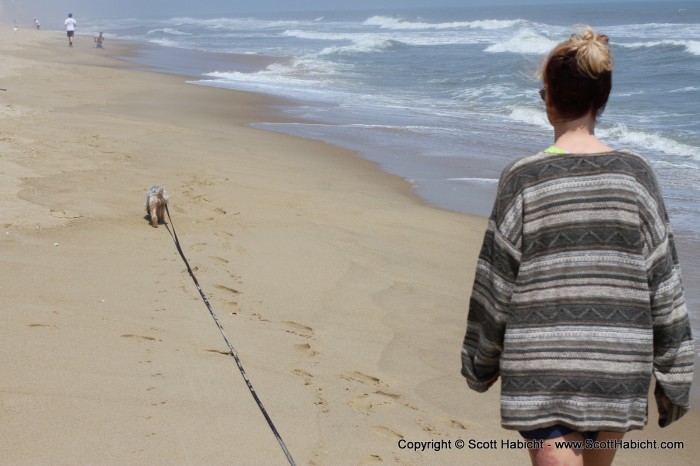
x=578 y=298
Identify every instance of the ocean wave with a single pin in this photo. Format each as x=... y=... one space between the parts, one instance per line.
x=379 y=41
x=393 y=22
x=232 y=23
x=620 y=133
x=167 y=43
x=359 y=43
x=317 y=35
x=690 y=46
x=673 y=165
x=685 y=89
x=653 y=31
x=630 y=93
x=524 y=41
x=363 y=46
x=530 y=115
x=498 y=92
x=170 y=31
x=308 y=73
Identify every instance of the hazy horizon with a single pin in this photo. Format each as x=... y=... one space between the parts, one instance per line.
x=53 y=13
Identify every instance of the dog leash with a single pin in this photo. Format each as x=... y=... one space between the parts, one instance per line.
x=230 y=346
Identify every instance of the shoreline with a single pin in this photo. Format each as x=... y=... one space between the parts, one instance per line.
x=106 y=336
x=409 y=170
x=427 y=175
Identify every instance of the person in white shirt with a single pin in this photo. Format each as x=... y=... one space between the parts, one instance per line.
x=70 y=28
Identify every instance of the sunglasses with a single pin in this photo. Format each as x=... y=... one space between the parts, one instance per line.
x=543 y=93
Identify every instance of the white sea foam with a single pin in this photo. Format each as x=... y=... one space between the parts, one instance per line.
x=690 y=46
x=318 y=35
x=171 y=31
x=686 y=89
x=233 y=23
x=525 y=41
x=168 y=43
x=304 y=77
x=379 y=41
x=358 y=43
x=621 y=134
x=361 y=46
x=654 y=31
x=497 y=92
x=530 y=115
x=674 y=165
x=393 y=22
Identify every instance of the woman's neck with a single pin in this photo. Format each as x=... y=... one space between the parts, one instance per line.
x=578 y=136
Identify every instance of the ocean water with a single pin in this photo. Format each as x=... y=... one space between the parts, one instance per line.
x=447 y=97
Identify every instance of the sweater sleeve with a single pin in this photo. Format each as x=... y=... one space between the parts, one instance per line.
x=673 y=344
x=494 y=281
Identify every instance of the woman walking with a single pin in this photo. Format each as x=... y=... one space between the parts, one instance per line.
x=577 y=298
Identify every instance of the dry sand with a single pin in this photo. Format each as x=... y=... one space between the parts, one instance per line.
x=344 y=295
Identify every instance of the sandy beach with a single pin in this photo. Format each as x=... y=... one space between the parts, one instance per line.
x=343 y=293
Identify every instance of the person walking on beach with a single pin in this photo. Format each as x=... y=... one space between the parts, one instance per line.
x=577 y=298
x=99 y=39
x=36 y=24
x=70 y=28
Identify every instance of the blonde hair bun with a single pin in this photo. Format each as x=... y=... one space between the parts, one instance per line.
x=593 y=54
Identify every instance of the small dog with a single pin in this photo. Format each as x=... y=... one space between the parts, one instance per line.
x=156 y=200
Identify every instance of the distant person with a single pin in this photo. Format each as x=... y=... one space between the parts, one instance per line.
x=577 y=298
x=36 y=24
x=70 y=28
x=98 y=40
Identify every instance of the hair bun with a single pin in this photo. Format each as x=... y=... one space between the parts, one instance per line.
x=593 y=55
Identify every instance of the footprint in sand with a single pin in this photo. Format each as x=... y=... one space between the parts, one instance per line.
x=233 y=307
x=195 y=199
x=227 y=289
x=305 y=350
x=139 y=337
x=308 y=381
x=367 y=403
x=224 y=352
x=322 y=403
x=373 y=459
x=299 y=329
x=199 y=247
x=42 y=325
x=456 y=425
x=202 y=181
x=388 y=433
x=303 y=374
x=381 y=396
x=237 y=278
x=361 y=377
x=426 y=427
x=219 y=260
